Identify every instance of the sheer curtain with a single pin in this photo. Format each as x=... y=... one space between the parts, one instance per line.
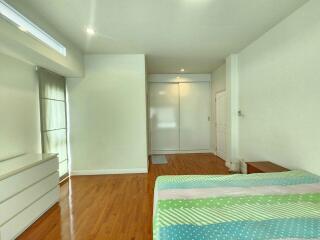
x=52 y=92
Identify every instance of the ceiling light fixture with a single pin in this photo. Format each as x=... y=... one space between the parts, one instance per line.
x=90 y=31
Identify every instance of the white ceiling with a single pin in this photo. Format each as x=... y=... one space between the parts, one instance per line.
x=194 y=34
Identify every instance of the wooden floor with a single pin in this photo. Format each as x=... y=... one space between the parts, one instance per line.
x=115 y=207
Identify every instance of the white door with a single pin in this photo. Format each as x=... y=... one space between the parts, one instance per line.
x=194 y=116
x=221 y=117
x=164 y=116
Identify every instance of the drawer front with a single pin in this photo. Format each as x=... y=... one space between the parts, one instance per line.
x=14 y=184
x=13 y=228
x=17 y=203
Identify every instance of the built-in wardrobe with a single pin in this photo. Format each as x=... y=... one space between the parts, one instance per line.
x=179 y=113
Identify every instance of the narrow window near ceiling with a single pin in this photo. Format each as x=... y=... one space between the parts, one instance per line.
x=52 y=92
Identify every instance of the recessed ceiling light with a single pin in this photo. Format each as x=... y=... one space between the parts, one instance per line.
x=182 y=70
x=90 y=31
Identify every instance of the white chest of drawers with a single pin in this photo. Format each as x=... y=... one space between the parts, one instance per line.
x=29 y=186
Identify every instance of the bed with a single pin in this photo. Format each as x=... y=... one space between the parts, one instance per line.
x=257 y=206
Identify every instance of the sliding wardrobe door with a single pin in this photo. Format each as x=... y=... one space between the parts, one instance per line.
x=194 y=116
x=164 y=116
x=52 y=89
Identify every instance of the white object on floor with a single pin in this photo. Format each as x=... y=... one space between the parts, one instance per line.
x=159 y=159
x=221 y=126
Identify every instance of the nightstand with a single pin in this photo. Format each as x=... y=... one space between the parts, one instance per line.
x=264 y=167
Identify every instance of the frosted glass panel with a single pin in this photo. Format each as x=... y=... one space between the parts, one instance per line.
x=53 y=114
x=55 y=142
x=194 y=116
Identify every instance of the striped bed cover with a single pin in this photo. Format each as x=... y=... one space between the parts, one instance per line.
x=257 y=206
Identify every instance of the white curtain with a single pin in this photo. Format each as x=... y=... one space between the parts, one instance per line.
x=52 y=92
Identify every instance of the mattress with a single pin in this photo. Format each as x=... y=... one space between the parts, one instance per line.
x=257 y=206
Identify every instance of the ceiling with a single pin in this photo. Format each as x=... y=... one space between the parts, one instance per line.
x=193 y=34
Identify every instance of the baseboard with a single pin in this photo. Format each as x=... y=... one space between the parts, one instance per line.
x=108 y=171
x=159 y=152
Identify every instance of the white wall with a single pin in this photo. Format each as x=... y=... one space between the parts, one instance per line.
x=279 y=78
x=218 y=84
x=108 y=115
x=19 y=108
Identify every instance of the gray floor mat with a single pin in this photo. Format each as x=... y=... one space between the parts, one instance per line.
x=159 y=159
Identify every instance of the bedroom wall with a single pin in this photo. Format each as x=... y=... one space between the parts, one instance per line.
x=279 y=78
x=218 y=84
x=108 y=130
x=19 y=108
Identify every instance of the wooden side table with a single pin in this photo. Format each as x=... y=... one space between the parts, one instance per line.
x=264 y=167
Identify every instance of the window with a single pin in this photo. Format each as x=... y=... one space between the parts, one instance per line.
x=27 y=26
x=52 y=92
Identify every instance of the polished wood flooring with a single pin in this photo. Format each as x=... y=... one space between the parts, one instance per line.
x=114 y=207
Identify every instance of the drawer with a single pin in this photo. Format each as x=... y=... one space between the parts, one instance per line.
x=17 y=203
x=14 y=184
x=13 y=228
x=252 y=169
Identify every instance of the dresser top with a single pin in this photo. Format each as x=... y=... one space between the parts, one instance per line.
x=18 y=164
x=265 y=167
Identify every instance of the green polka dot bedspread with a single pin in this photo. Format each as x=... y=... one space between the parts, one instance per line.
x=257 y=206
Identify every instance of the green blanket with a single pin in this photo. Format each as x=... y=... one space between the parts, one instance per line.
x=256 y=206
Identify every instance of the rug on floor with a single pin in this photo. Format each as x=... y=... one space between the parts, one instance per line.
x=159 y=159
